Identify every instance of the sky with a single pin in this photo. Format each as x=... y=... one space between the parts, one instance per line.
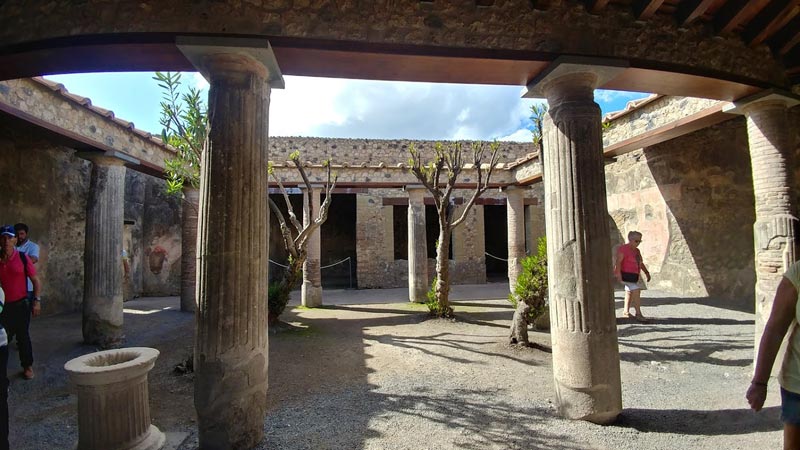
x=340 y=108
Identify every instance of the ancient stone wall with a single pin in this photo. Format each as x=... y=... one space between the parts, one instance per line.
x=692 y=198
x=46 y=186
x=161 y=245
x=516 y=25
x=370 y=152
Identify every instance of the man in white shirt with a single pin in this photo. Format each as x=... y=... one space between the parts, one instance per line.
x=31 y=250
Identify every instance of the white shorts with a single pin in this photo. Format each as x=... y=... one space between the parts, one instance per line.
x=631 y=286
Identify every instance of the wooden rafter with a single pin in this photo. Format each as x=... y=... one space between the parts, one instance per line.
x=595 y=6
x=786 y=38
x=770 y=20
x=645 y=9
x=735 y=12
x=689 y=11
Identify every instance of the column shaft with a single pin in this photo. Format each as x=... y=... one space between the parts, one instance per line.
x=189 y=211
x=102 y=298
x=311 y=294
x=584 y=333
x=515 y=214
x=774 y=230
x=417 y=247
x=231 y=334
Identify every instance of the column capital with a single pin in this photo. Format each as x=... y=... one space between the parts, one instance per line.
x=766 y=99
x=413 y=187
x=107 y=158
x=514 y=188
x=574 y=73
x=225 y=54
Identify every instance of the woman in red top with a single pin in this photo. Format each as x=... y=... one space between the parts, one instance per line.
x=16 y=315
x=628 y=265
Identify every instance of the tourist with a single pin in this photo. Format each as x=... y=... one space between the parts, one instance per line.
x=16 y=315
x=3 y=381
x=784 y=311
x=627 y=270
x=31 y=250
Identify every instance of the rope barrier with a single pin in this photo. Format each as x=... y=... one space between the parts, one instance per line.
x=339 y=262
x=495 y=257
x=279 y=265
x=349 y=269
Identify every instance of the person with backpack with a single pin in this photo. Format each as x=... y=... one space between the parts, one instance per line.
x=31 y=250
x=15 y=269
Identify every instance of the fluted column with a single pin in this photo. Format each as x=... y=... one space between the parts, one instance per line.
x=102 y=293
x=189 y=211
x=231 y=354
x=311 y=294
x=417 y=246
x=583 y=326
x=769 y=135
x=515 y=215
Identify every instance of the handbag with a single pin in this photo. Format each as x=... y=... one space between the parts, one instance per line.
x=630 y=277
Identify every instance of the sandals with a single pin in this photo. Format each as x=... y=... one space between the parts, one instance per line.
x=640 y=318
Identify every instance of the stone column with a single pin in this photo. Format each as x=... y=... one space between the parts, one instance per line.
x=103 y=277
x=231 y=353
x=417 y=246
x=515 y=215
x=312 y=275
x=583 y=324
x=190 y=208
x=770 y=138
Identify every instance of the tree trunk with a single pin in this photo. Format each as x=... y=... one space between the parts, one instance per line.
x=443 y=273
x=519 y=325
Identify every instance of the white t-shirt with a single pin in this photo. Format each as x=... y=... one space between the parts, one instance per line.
x=30 y=248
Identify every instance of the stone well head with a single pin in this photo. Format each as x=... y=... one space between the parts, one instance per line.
x=111 y=366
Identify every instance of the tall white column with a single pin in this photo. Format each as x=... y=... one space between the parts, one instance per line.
x=417 y=246
x=515 y=215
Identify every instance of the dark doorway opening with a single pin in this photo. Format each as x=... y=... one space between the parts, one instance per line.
x=432 y=231
x=496 y=242
x=339 y=243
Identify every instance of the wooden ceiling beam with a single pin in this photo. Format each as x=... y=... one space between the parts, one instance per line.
x=786 y=38
x=689 y=11
x=645 y=9
x=734 y=14
x=595 y=6
x=770 y=20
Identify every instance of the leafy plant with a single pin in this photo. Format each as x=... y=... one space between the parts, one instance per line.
x=184 y=118
x=531 y=286
x=277 y=298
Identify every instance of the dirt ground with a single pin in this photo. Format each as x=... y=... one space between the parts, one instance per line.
x=386 y=376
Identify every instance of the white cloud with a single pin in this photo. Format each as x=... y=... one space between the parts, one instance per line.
x=199 y=81
x=523 y=135
x=606 y=96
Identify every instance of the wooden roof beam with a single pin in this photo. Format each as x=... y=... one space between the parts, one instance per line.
x=689 y=11
x=770 y=20
x=734 y=13
x=595 y=6
x=787 y=38
x=645 y=9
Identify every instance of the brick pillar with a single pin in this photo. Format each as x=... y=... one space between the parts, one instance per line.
x=515 y=215
x=417 y=246
x=771 y=148
x=189 y=209
x=311 y=293
x=583 y=326
x=102 y=295
x=231 y=343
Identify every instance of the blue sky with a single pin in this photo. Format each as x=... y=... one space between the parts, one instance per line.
x=328 y=107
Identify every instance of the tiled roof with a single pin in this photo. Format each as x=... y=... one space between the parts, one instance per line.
x=107 y=114
x=631 y=106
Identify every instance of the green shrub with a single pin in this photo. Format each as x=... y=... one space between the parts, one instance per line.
x=432 y=303
x=531 y=286
x=277 y=298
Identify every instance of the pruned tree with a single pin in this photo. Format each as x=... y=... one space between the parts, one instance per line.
x=448 y=162
x=530 y=294
x=295 y=234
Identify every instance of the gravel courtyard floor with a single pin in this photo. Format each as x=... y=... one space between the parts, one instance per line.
x=380 y=374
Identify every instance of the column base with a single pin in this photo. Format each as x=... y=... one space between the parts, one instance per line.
x=596 y=405
x=154 y=440
x=311 y=296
